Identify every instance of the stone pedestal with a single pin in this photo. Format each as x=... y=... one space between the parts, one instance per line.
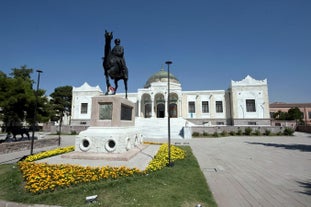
x=112 y=127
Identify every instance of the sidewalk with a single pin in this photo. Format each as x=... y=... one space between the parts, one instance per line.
x=14 y=157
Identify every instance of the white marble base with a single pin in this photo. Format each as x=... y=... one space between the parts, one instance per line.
x=108 y=139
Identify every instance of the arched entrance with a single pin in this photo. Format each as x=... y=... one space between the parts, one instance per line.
x=147 y=108
x=147 y=111
x=161 y=110
x=160 y=105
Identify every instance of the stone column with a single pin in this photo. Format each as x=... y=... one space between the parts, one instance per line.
x=152 y=105
x=165 y=106
x=179 y=108
x=139 y=107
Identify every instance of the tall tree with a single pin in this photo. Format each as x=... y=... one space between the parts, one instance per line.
x=23 y=73
x=61 y=103
x=295 y=114
x=17 y=98
x=291 y=114
x=3 y=89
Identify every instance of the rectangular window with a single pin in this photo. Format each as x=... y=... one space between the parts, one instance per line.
x=191 y=107
x=219 y=108
x=83 y=108
x=309 y=115
x=205 y=108
x=250 y=105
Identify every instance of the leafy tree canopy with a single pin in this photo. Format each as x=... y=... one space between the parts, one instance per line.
x=17 y=98
x=23 y=73
x=291 y=114
x=61 y=101
x=295 y=114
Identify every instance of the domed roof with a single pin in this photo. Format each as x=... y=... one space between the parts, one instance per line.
x=160 y=76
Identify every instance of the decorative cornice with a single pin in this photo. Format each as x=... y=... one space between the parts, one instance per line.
x=87 y=87
x=248 y=80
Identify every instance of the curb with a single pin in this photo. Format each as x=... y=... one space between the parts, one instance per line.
x=12 y=204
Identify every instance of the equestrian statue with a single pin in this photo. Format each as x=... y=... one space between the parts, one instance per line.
x=114 y=64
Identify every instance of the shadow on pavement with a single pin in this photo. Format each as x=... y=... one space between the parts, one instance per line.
x=307 y=187
x=301 y=147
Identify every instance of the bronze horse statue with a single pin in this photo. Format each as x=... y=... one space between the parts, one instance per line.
x=114 y=65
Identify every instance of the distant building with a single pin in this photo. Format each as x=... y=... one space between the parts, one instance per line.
x=305 y=108
x=245 y=103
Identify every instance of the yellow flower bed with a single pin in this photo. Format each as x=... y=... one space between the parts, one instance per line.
x=42 y=177
x=161 y=158
x=49 y=153
x=153 y=143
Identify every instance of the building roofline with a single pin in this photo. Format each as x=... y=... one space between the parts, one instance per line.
x=289 y=105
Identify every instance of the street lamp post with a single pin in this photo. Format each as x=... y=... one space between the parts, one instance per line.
x=168 y=114
x=35 y=113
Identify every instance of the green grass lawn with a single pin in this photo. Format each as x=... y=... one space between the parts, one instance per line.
x=181 y=185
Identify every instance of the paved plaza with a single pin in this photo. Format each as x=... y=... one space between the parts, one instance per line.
x=257 y=171
x=245 y=171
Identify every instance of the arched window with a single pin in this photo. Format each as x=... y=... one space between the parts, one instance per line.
x=173 y=105
x=146 y=103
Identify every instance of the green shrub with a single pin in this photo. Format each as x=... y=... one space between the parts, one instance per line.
x=224 y=133
x=288 y=131
x=239 y=132
x=215 y=134
x=267 y=132
x=232 y=133
x=195 y=134
x=205 y=134
x=74 y=132
x=248 y=131
x=257 y=132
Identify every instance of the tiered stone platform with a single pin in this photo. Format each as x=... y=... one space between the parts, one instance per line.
x=112 y=129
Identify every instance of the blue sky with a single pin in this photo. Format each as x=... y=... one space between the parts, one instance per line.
x=209 y=42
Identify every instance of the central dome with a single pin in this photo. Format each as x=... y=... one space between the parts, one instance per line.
x=160 y=76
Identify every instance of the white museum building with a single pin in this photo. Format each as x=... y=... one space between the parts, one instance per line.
x=244 y=103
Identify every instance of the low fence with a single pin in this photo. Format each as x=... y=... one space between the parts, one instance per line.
x=304 y=129
x=65 y=129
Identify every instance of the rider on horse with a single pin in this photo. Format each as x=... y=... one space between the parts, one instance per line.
x=114 y=64
x=118 y=53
